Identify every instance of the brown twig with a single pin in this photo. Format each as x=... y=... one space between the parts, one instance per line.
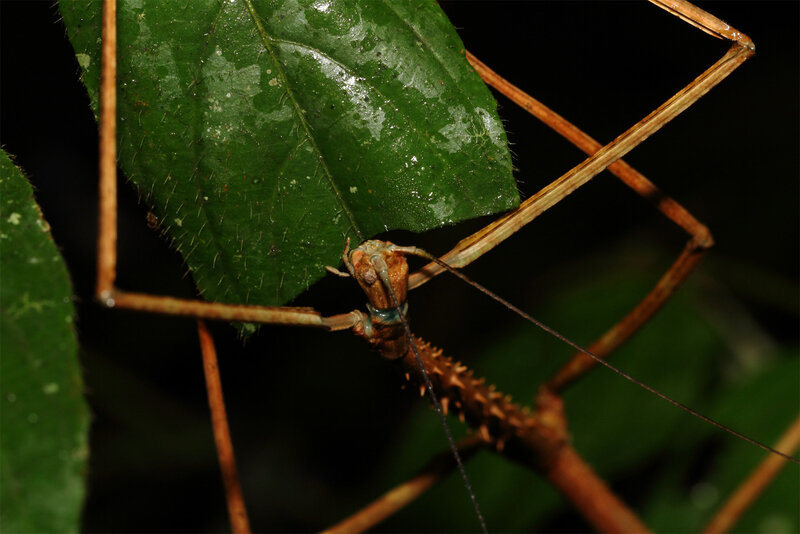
x=404 y=494
x=747 y=493
x=222 y=436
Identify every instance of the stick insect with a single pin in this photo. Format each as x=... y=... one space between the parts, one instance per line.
x=415 y=312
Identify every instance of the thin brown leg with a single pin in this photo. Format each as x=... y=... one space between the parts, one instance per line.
x=618 y=334
x=222 y=436
x=230 y=312
x=756 y=483
x=404 y=494
x=570 y=474
x=107 y=224
x=627 y=174
x=702 y=20
x=700 y=241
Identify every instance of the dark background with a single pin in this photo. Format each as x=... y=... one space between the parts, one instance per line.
x=732 y=160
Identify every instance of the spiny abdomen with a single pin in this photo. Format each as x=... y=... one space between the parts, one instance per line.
x=498 y=420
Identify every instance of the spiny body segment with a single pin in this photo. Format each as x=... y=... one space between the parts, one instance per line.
x=509 y=427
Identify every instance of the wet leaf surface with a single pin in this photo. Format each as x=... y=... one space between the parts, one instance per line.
x=265 y=134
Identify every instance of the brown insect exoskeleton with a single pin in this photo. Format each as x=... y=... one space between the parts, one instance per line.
x=539 y=437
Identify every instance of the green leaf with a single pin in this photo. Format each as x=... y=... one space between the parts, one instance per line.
x=266 y=133
x=44 y=418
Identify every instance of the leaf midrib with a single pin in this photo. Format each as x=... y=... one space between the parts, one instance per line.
x=267 y=40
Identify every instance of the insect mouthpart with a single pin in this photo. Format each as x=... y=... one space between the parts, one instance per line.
x=373 y=260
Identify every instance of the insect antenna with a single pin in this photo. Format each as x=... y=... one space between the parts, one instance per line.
x=383 y=272
x=421 y=253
